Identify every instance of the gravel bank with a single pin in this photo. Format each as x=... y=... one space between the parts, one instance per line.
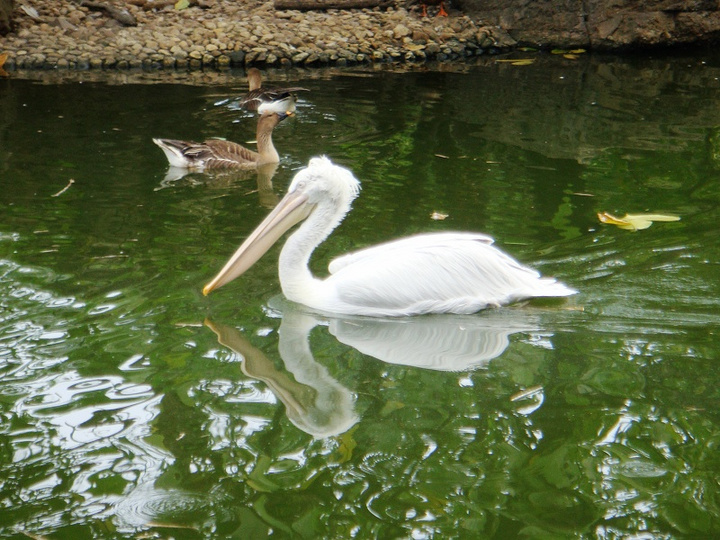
x=235 y=33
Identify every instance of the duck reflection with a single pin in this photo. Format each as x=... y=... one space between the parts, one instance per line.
x=322 y=407
x=224 y=178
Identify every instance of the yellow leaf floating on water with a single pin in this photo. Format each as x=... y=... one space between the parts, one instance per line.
x=517 y=61
x=634 y=222
x=566 y=52
x=347 y=445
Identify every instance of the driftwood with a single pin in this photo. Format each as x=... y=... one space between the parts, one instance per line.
x=149 y=5
x=123 y=16
x=307 y=5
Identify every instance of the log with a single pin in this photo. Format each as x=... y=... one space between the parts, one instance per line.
x=123 y=16
x=307 y=5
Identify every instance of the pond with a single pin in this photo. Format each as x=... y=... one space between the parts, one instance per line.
x=133 y=406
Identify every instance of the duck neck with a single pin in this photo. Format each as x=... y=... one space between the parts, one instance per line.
x=266 y=149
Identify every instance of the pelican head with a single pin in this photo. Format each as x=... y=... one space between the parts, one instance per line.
x=320 y=188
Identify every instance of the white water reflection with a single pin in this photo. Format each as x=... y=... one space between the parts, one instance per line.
x=439 y=342
x=318 y=404
x=314 y=401
x=83 y=431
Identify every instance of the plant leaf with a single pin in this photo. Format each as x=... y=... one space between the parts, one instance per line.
x=182 y=4
x=518 y=61
x=634 y=222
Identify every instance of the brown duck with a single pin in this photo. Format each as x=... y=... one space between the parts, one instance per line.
x=222 y=154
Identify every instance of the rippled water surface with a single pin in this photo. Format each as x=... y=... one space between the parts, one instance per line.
x=132 y=406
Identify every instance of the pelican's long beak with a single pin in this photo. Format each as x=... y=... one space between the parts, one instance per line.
x=289 y=211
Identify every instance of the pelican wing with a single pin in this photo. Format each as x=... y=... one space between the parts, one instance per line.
x=420 y=241
x=440 y=273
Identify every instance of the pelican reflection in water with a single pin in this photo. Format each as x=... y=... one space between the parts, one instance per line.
x=448 y=272
x=314 y=401
x=321 y=406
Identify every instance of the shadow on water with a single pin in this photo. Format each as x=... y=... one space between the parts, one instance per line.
x=123 y=414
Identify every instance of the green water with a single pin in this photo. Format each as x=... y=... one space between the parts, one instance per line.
x=132 y=406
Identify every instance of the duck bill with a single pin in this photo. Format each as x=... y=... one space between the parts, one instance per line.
x=289 y=211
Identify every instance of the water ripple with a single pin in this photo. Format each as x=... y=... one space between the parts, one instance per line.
x=163 y=508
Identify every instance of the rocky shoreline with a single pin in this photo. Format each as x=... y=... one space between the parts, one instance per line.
x=221 y=34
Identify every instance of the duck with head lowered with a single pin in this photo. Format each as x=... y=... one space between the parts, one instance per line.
x=222 y=154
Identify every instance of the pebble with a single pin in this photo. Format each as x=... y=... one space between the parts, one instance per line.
x=227 y=33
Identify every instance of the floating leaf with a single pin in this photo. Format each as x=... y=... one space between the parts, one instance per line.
x=566 y=52
x=518 y=61
x=3 y=59
x=257 y=478
x=635 y=222
x=523 y=394
x=167 y=525
x=347 y=445
x=570 y=56
x=391 y=406
x=438 y=216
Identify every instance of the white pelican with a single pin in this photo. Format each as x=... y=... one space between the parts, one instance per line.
x=428 y=273
x=221 y=154
x=261 y=99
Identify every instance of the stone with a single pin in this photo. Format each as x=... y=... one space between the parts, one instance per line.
x=300 y=57
x=237 y=57
x=400 y=31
